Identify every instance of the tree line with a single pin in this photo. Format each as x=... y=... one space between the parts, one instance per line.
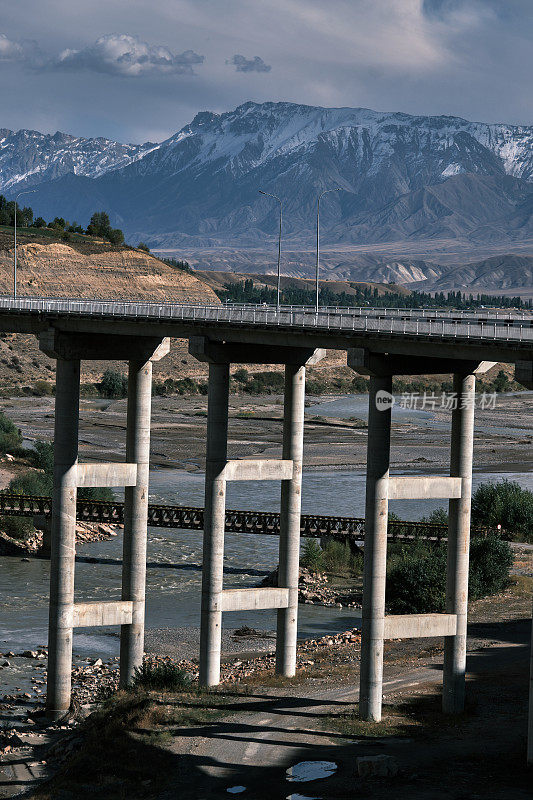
x=99 y=224
x=248 y=292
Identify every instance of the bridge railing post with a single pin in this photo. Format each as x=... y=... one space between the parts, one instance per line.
x=462 y=438
x=63 y=537
x=291 y=503
x=136 y=517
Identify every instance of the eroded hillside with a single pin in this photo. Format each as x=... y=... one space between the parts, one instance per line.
x=96 y=270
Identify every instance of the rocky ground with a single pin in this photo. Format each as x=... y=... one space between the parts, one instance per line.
x=267 y=723
x=32 y=546
x=179 y=429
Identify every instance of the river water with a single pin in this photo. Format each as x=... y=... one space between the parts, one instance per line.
x=174 y=556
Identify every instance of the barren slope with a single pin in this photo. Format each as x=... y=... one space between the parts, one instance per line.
x=95 y=270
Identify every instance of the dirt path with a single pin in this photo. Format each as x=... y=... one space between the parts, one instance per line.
x=281 y=728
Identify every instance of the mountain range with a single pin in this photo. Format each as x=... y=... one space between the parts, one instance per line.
x=441 y=181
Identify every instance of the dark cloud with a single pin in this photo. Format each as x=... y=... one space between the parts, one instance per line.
x=243 y=64
x=444 y=9
x=122 y=54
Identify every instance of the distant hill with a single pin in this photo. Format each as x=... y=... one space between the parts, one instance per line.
x=508 y=274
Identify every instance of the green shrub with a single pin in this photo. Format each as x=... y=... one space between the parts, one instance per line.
x=102 y=493
x=504 y=503
x=416 y=581
x=42 y=456
x=312 y=555
x=416 y=585
x=491 y=559
x=437 y=517
x=10 y=436
x=34 y=483
x=113 y=384
x=166 y=677
x=19 y=528
x=265 y=383
x=43 y=388
x=240 y=375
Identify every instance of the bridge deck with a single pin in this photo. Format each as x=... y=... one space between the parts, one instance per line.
x=489 y=335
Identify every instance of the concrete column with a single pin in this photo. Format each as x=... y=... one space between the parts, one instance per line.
x=63 y=536
x=375 y=552
x=462 y=440
x=135 y=516
x=291 y=503
x=214 y=519
x=530 y=722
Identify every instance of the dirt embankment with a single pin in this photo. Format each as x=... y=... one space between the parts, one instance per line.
x=95 y=270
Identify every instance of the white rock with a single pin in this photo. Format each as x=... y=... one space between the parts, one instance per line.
x=381 y=766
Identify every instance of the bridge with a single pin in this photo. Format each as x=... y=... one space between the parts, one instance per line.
x=380 y=343
x=191 y=518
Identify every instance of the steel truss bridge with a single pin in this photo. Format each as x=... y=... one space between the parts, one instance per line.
x=237 y=521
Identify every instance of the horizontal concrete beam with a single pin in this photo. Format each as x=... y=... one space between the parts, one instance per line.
x=367 y=362
x=253 y=599
x=89 y=615
x=418 y=626
x=96 y=346
x=258 y=470
x=214 y=352
x=98 y=475
x=426 y=487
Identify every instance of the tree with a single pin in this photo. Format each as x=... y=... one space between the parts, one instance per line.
x=75 y=228
x=39 y=222
x=58 y=223
x=116 y=236
x=504 y=503
x=501 y=382
x=113 y=384
x=99 y=225
x=143 y=246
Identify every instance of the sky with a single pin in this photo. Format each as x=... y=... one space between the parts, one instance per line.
x=138 y=70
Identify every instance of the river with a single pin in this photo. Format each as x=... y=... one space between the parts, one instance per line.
x=174 y=556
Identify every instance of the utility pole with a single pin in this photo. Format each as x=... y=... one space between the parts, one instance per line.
x=279 y=246
x=320 y=196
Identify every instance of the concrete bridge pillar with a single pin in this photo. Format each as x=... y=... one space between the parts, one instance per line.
x=380 y=488
x=136 y=516
x=65 y=614
x=462 y=441
x=291 y=504
x=219 y=470
x=214 y=524
x=375 y=550
x=63 y=536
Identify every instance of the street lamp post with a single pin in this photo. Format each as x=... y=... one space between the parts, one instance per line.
x=279 y=244
x=26 y=191
x=320 y=196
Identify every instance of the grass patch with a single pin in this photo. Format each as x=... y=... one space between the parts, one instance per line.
x=123 y=747
x=412 y=718
x=167 y=677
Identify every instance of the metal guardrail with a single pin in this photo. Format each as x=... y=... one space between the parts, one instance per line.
x=237 y=521
x=487 y=314
x=302 y=319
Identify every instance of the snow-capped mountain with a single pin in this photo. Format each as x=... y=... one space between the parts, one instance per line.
x=405 y=177
x=28 y=158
